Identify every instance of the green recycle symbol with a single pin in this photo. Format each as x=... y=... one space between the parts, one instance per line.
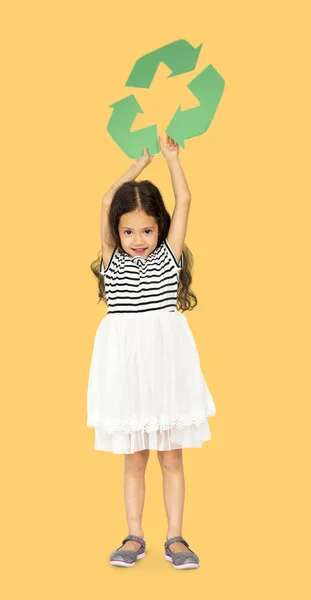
x=207 y=87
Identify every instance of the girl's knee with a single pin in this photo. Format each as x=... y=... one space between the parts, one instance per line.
x=137 y=460
x=170 y=459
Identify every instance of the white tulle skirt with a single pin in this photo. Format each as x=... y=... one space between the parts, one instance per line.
x=146 y=389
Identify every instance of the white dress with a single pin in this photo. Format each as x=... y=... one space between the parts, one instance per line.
x=146 y=389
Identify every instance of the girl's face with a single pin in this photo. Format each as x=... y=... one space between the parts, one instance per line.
x=137 y=230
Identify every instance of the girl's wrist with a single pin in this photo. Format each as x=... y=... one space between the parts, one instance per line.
x=135 y=169
x=173 y=161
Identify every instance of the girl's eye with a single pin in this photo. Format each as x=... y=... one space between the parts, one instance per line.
x=128 y=230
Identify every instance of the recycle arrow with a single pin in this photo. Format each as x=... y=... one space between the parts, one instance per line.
x=179 y=56
x=208 y=88
x=119 y=127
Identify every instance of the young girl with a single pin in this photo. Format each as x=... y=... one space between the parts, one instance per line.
x=146 y=389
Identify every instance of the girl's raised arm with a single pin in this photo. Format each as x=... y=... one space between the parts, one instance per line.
x=178 y=227
x=107 y=243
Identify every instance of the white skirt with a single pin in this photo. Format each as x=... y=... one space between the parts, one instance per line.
x=146 y=389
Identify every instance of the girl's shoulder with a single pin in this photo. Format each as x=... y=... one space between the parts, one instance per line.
x=111 y=260
x=178 y=264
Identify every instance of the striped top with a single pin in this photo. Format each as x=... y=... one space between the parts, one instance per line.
x=136 y=284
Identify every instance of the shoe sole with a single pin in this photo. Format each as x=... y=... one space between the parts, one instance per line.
x=121 y=563
x=184 y=566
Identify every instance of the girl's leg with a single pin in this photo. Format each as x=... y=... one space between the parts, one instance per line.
x=134 y=494
x=171 y=462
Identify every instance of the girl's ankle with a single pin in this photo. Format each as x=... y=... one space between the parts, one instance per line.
x=168 y=536
x=141 y=534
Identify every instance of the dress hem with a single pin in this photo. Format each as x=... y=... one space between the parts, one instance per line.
x=153 y=424
x=175 y=438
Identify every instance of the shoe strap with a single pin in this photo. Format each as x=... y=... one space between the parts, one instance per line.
x=177 y=538
x=135 y=538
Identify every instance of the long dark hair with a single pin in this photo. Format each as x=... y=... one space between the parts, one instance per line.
x=147 y=197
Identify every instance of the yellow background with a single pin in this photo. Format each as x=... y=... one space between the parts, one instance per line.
x=63 y=64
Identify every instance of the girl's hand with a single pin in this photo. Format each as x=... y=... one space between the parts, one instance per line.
x=144 y=160
x=171 y=150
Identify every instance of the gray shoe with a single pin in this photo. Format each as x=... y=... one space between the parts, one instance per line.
x=181 y=560
x=127 y=558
